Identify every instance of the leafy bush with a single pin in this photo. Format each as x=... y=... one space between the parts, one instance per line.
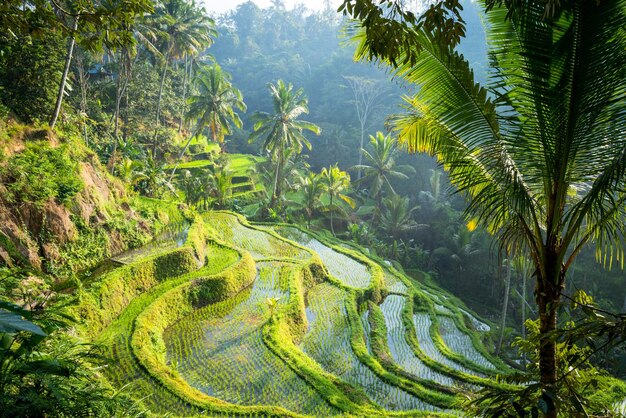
x=40 y=173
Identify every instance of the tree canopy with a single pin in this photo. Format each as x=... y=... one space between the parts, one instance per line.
x=539 y=153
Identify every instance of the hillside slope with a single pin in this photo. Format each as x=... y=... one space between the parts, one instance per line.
x=60 y=211
x=271 y=320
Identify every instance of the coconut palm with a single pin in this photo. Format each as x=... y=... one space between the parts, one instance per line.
x=187 y=30
x=311 y=188
x=282 y=130
x=216 y=103
x=380 y=167
x=396 y=220
x=222 y=190
x=335 y=182
x=541 y=155
x=214 y=106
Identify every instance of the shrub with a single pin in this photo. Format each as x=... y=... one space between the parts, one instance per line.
x=40 y=173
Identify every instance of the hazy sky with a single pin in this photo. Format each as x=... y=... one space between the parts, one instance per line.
x=220 y=6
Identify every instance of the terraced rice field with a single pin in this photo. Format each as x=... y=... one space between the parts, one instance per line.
x=423 y=324
x=461 y=343
x=347 y=270
x=478 y=324
x=328 y=342
x=166 y=241
x=283 y=343
x=258 y=243
x=400 y=349
x=394 y=284
x=220 y=351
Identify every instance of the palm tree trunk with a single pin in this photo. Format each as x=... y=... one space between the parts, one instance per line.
x=82 y=82
x=120 y=91
x=359 y=173
x=276 y=186
x=548 y=296
x=524 y=311
x=182 y=108
x=66 y=70
x=332 y=228
x=125 y=131
x=158 y=111
x=547 y=348
x=505 y=304
x=118 y=99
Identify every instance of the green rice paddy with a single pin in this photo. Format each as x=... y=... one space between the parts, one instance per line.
x=349 y=271
x=291 y=336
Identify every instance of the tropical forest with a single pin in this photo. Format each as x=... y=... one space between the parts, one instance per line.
x=331 y=208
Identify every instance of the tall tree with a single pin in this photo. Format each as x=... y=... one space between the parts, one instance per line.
x=380 y=167
x=336 y=182
x=93 y=25
x=396 y=220
x=366 y=92
x=146 y=33
x=188 y=32
x=541 y=157
x=214 y=106
x=505 y=303
x=62 y=86
x=524 y=269
x=282 y=130
x=311 y=188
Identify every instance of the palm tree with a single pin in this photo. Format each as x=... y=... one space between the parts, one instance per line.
x=188 y=32
x=63 y=85
x=380 y=167
x=112 y=21
x=396 y=220
x=150 y=179
x=335 y=183
x=311 y=188
x=214 y=106
x=282 y=130
x=222 y=190
x=541 y=155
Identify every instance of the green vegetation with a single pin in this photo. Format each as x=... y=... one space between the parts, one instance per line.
x=40 y=173
x=210 y=316
x=533 y=194
x=164 y=252
x=282 y=132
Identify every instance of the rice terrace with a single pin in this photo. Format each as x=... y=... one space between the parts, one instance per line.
x=245 y=319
